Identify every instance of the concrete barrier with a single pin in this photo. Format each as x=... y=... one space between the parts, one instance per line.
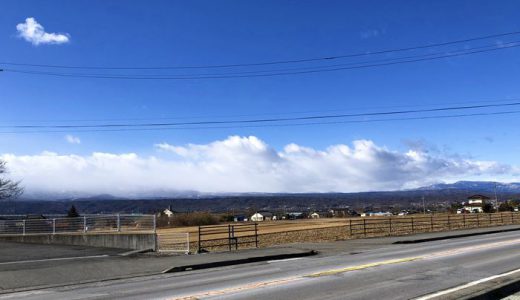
x=137 y=241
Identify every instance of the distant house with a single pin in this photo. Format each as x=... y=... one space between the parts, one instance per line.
x=34 y=217
x=295 y=215
x=262 y=216
x=168 y=212
x=376 y=214
x=341 y=212
x=240 y=218
x=314 y=215
x=475 y=203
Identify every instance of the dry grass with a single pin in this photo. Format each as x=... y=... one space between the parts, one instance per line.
x=319 y=230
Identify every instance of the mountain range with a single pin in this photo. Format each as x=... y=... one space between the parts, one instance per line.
x=486 y=187
x=476 y=186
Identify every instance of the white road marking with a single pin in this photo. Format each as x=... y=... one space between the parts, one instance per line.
x=467 y=285
x=327 y=272
x=281 y=260
x=52 y=259
x=24 y=294
x=463 y=250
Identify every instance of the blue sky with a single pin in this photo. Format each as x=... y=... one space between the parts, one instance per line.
x=159 y=33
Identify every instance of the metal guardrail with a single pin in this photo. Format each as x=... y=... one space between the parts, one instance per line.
x=85 y=224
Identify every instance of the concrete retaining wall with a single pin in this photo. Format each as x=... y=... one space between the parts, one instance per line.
x=137 y=241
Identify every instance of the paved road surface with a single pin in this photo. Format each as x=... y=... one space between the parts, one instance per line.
x=389 y=272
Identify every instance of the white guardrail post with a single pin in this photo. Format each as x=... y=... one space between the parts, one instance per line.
x=23 y=227
x=118 y=222
x=154 y=224
x=187 y=243
x=53 y=226
x=84 y=224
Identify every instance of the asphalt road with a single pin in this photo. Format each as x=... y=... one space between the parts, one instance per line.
x=387 y=272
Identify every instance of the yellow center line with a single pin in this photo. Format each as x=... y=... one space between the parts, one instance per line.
x=240 y=288
x=288 y=280
x=271 y=283
x=365 y=266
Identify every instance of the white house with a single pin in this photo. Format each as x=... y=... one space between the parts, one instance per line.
x=377 y=214
x=168 y=212
x=314 y=215
x=475 y=204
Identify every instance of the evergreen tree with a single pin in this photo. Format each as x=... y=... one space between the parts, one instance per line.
x=72 y=213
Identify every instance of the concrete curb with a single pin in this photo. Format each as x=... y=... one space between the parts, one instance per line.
x=134 y=252
x=248 y=260
x=455 y=236
x=64 y=285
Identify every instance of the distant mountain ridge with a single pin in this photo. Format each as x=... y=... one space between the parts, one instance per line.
x=460 y=186
x=475 y=186
x=437 y=195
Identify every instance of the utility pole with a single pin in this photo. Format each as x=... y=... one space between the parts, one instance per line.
x=496 y=198
x=423 y=205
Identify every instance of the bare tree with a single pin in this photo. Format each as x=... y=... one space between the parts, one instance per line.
x=8 y=189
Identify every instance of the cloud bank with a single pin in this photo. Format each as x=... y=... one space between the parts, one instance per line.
x=245 y=164
x=34 y=33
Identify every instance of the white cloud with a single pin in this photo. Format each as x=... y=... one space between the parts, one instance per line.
x=34 y=33
x=72 y=139
x=247 y=164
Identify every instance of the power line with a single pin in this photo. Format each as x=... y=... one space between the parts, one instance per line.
x=267 y=114
x=384 y=60
x=189 y=77
x=276 y=62
x=272 y=125
x=269 y=120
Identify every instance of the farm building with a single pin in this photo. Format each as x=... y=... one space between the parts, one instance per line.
x=262 y=216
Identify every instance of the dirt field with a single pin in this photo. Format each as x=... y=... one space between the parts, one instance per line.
x=331 y=229
x=266 y=227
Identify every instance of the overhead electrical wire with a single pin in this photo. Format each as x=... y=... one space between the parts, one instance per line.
x=276 y=62
x=309 y=68
x=266 y=120
x=273 y=72
x=271 y=121
x=273 y=125
x=488 y=101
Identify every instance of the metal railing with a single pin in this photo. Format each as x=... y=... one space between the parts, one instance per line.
x=389 y=226
x=231 y=236
x=85 y=224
